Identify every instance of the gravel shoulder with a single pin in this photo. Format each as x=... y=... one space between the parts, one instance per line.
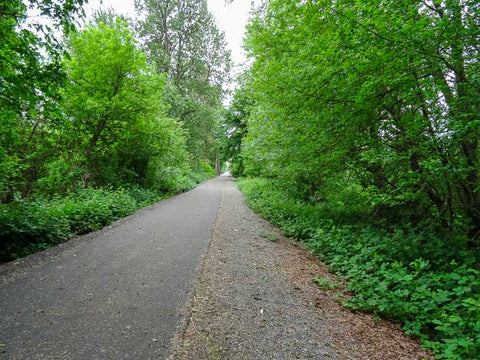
x=255 y=299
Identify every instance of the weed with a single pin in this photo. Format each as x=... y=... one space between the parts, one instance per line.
x=325 y=283
x=270 y=236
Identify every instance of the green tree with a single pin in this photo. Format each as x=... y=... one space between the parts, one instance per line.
x=235 y=130
x=382 y=94
x=182 y=40
x=30 y=75
x=118 y=116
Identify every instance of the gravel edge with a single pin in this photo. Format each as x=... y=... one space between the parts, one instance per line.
x=234 y=314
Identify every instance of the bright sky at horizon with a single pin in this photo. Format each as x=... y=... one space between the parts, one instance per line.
x=231 y=19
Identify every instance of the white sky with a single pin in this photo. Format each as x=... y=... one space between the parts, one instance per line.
x=231 y=18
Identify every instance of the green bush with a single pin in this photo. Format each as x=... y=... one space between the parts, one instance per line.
x=144 y=197
x=26 y=227
x=197 y=177
x=202 y=172
x=429 y=283
x=30 y=226
x=92 y=209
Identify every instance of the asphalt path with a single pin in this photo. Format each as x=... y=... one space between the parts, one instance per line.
x=115 y=294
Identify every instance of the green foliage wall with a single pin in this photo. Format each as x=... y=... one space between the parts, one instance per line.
x=30 y=75
x=99 y=117
x=381 y=94
x=120 y=122
x=235 y=130
x=363 y=120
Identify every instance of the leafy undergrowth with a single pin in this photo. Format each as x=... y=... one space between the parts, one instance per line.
x=425 y=282
x=30 y=226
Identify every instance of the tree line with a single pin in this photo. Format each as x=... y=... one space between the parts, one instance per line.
x=361 y=119
x=376 y=99
x=114 y=104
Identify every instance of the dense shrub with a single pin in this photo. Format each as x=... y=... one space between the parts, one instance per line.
x=195 y=176
x=144 y=197
x=432 y=287
x=29 y=226
x=198 y=176
x=26 y=227
x=91 y=209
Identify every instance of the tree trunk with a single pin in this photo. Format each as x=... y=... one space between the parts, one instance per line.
x=217 y=165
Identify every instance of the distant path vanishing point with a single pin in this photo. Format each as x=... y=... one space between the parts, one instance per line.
x=118 y=293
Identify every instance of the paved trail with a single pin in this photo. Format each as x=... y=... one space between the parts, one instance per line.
x=117 y=293
x=126 y=292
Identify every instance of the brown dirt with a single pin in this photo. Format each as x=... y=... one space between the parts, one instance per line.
x=255 y=299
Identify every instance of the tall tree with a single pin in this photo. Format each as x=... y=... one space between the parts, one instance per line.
x=115 y=103
x=182 y=40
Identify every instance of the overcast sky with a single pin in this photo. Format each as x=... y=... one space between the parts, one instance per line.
x=231 y=18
